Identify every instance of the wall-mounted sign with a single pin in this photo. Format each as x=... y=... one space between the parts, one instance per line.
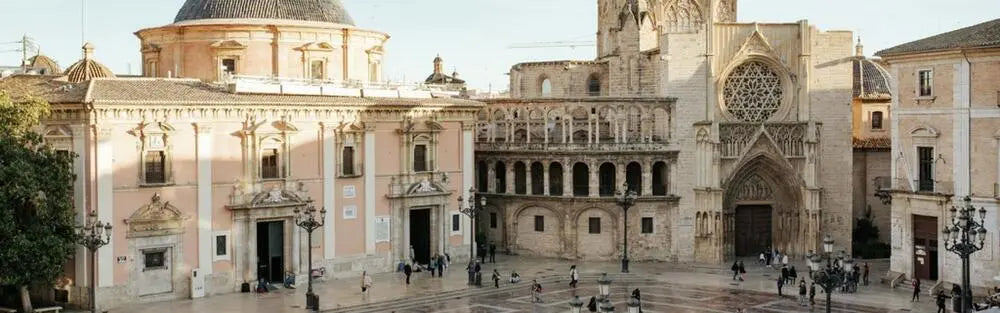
x=382 y=228
x=121 y=259
x=349 y=191
x=350 y=212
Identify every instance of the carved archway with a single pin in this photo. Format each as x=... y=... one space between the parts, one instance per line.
x=765 y=180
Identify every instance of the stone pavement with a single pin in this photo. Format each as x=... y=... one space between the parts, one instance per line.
x=666 y=287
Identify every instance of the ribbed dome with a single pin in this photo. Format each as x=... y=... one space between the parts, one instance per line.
x=871 y=81
x=87 y=68
x=49 y=66
x=329 y=11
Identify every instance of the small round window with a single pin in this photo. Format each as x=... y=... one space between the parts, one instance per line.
x=753 y=92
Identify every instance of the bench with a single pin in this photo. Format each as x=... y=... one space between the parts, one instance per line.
x=53 y=309
x=6 y=310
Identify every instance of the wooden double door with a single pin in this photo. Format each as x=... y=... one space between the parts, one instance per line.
x=753 y=229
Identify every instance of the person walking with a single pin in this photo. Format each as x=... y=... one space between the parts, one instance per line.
x=784 y=260
x=439 y=263
x=865 y=275
x=493 y=253
x=781 y=283
x=496 y=278
x=592 y=305
x=574 y=276
x=735 y=268
x=742 y=269
x=536 y=291
x=471 y=269
x=940 y=299
x=638 y=298
x=802 y=292
x=482 y=253
x=407 y=270
x=792 y=274
x=784 y=273
x=761 y=259
x=812 y=294
x=430 y=265
x=478 y=274
x=916 y=290
x=366 y=284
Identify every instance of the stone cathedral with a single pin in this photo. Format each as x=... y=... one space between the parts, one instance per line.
x=735 y=136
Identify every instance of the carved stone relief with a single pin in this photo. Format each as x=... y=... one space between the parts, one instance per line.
x=157 y=218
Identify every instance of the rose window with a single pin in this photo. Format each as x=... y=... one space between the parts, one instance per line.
x=752 y=92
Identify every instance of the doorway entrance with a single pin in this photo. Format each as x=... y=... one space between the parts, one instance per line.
x=753 y=229
x=271 y=250
x=420 y=235
x=925 y=245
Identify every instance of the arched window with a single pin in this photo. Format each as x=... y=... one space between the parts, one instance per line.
x=659 y=179
x=581 y=180
x=537 y=177
x=633 y=177
x=546 y=87
x=482 y=177
x=877 y=120
x=520 y=178
x=606 y=180
x=593 y=86
x=500 y=170
x=555 y=179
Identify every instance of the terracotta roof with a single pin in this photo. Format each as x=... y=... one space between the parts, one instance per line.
x=87 y=68
x=871 y=80
x=982 y=35
x=874 y=143
x=165 y=91
x=52 y=88
x=330 y=11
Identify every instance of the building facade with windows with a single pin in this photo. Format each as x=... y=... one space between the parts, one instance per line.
x=945 y=131
x=207 y=172
x=870 y=113
x=733 y=134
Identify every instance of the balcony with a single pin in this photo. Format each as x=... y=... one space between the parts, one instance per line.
x=552 y=146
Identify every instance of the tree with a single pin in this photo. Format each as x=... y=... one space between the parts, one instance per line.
x=36 y=211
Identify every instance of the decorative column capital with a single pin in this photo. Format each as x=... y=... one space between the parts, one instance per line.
x=469 y=125
x=103 y=131
x=203 y=128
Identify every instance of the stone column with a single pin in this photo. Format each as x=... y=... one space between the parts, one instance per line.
x=105 y=203
x=527 y=177
x=369 y=170
x=509 y=174
x=619 y=175
x=647 y=177
x=671 y=177
x=567 y=177
x=80 y=197
x=545 y=177
x=330 y=190
x=491 y=177
x=595 y=179
x=204 y=146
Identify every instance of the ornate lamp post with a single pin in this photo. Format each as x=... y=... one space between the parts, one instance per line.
x=607 y=307
x=471 y=210
x=307 y=220
x=960 y=238
x=831 y=276
x=626 y=199
x=94 y=234
x=604 y=286
x=575 y=305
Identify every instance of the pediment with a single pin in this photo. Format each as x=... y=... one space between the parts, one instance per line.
x=150 y=48
x=145 y=127
x=317 y=46
x=276 y=197
x=376 y=50
x=757 y=44
x=352 y=126
x=424 y=186
x=156 y=218
x=228 y=44
x=925 y=131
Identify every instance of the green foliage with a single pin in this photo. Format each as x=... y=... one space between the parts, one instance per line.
x=866 y=244
x=36 y=211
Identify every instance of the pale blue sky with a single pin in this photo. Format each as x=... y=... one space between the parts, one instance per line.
x=471 y=35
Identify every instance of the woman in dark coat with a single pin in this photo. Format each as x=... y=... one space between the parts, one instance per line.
x=592 y=306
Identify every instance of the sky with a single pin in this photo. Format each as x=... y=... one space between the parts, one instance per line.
x=472 y=36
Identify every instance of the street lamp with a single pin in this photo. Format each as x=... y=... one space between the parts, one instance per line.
x=604 y=286
x=575 y=305
x=471 y=209
x=307 y=220
x=960 y=238
x=626 y=199
x=829 y=277
x=93 y=235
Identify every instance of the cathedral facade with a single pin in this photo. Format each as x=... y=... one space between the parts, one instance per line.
x=735 y=136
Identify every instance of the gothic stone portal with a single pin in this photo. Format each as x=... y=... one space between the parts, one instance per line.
x=763 y=205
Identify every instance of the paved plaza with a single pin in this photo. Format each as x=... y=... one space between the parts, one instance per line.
x=665 y=287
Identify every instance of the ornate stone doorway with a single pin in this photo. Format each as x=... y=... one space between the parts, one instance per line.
x=271 y=250
x=753 y=230
x=420 y=235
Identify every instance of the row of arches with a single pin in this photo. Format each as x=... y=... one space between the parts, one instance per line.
x=576 y=124
x=593 y=86
x=549 y=178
